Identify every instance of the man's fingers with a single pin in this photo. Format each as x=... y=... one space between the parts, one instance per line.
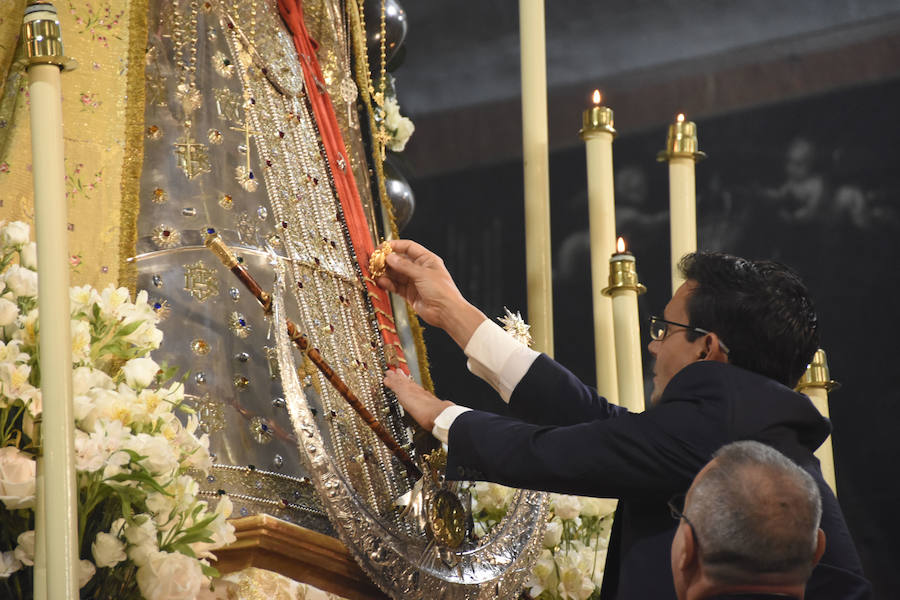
x=404 y=266
x=410 y=248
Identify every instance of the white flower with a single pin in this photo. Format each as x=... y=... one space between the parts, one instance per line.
x=139 y=372
x=82 y=298
x=598 y=507
x=108 y=550
x=159 y=455
x=553 y=534
x=28 y=256
x=543 y=575
x=492 y=497
x=85 y=378
x=170 y=576
x=574 y=569
x=24 y=552
x=22 y=281
x=88 y=457
x=160 y=505
x=564 y=506
x=9 y=564
x=141 y=536
x=400 y=127
x=9 y=311
x=86 y=570
x=17 y=471
x=15 y=233
x=81 y=340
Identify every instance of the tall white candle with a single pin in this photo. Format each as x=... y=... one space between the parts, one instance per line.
x=624 y=288
x=681 y=153
x=816 y=383
x=598 y=132
x=537 y=173
x=60 y=535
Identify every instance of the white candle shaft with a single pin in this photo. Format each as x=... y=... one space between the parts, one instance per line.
x=60 y=507
x=601 y=210
x=537 y=173
x=682 y=213
x=630 y=372
x=824 y=453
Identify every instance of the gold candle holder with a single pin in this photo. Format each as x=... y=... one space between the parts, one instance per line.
x=681 y=141
x=817 y=374
x=623 y=275
x=596 y=119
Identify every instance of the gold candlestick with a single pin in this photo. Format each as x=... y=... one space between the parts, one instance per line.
x=598 y=134
x=816 y=383
x=681 y=152
x=624 y=288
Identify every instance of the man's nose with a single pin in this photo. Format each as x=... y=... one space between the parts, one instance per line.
x=651 y=347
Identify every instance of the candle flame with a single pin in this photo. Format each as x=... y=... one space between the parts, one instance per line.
x=620 y=245
x=680 y=118
x=597 y=97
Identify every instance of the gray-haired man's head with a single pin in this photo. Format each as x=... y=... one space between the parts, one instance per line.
x=755 y=518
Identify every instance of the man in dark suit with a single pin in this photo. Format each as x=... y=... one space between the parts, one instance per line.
x=748 y=527
x=733 y=342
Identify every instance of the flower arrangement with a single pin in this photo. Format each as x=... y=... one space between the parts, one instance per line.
x=399 y=128
x=142 y=531
x=570 y=566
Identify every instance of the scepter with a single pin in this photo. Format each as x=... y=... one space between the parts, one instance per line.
x=224 y=254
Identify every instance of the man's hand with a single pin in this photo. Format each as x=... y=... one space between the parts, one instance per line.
x=421 y=405
x=420 y=277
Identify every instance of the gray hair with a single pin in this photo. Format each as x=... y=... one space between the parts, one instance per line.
x=755 y=512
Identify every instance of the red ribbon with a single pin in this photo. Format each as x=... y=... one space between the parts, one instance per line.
x=344 y=183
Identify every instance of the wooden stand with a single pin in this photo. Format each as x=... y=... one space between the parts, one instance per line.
x=303 y=555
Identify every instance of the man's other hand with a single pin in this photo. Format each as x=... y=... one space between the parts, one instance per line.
x=420 y=276
x=421 y=405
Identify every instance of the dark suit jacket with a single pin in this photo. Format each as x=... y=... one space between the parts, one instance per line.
x=565 y=438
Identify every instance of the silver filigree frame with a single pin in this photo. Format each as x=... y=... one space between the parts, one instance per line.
x=402 y=565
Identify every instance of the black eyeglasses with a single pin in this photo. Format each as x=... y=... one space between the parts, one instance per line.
x=659 y=329
x=676 y=507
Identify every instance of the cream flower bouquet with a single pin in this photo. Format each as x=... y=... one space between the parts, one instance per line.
x=570 y=566
x=142 y=531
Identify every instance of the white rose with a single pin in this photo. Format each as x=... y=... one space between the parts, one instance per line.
x=139 y=372
x=9 y=564
x=28 y=256
x=553 y=534
x=170 y=576
x=543 y=575
x=85 y=378
x=86 y=570
x=160 y=505
x=17 y=470
x=24 y=552
x=22 y=281
x=492 y=497
x=598 y=507
x=16 y=233
x=8 y=312
x=108 y=550
x=565 y=507
x=88 y=457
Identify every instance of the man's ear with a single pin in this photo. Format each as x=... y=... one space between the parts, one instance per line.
x=820 y=548
x=712 y=349
x=687 y=556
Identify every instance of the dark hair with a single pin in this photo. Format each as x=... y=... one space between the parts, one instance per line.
x=760 y=309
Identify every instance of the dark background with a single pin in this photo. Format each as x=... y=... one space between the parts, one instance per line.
x=813 y=183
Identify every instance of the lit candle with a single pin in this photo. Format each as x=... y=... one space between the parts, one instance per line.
x=537 y=173
x=681 y=153
x=598 y=132
x=624 y=289
x=816 y=383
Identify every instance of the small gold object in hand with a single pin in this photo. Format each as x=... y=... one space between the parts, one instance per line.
x=377 y=262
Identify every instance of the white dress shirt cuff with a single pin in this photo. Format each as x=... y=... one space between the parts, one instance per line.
x=497 y=358
x=444 y=420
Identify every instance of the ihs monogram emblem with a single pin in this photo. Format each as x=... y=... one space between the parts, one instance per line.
x=200 y=281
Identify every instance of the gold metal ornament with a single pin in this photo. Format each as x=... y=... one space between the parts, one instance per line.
x=378 y=260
